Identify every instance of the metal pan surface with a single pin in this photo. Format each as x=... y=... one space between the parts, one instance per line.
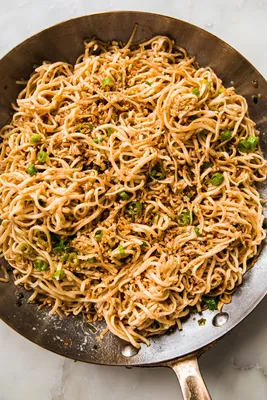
x=72 y=337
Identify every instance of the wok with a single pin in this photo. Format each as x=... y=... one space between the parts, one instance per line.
x=72 y=337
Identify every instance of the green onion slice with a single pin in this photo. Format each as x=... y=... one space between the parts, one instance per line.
x=32 y=170
x=73 y=259
x=108 y=81
x=109 y=131
x=226 y=135
x=25 y=248
x=196 y=91
x=121 y=250
x=244 y=146
x=158 y=173
x=124 y=196
x=135 y=209
x=197 y=231
x=183 y=219
x=62 y=246
x=58 y=275
x=253 y=142
x=40 y=265
x=42 y=156
x=212 y=302
x=217 y=179
x=35 y=138
x=99 y=235
x=201 y=321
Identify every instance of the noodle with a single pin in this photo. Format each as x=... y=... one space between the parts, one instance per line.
x=127 y=187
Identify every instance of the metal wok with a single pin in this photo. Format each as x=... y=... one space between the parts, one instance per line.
x=71 y=337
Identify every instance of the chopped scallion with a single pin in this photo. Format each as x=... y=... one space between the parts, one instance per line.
x=244 y=146
x=226 y=135
x=73 y=259
x=32 y=170
x=124 y=196
x=25 y=248
x=108 y=81
x=58 y=275
x=62 y=246
x=183 y=219
x=253 y=142
x=158 y=173
x=250 y=144
x=65 y=257
x=196 y=91
x=217 y=179
x=197 y=231
x=109 y=131
x=135 y=209
x=42 y=156
x=201 y=321
x=99 y=235
x=40 y=265
x=35 y=138
x=121 y=250
x=212 y=302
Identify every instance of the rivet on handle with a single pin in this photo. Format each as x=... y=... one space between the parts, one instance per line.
x=129 y=351
x=220 y=319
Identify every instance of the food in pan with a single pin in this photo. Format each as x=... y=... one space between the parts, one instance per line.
x=127 y=187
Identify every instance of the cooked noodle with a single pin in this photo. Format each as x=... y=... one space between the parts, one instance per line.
x=127 y=187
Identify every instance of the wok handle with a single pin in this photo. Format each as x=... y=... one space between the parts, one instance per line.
x=191 y=382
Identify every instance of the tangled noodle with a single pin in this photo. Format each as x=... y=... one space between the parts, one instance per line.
x=127 y=187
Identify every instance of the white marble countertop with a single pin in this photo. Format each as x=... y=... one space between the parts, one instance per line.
x=237 y=367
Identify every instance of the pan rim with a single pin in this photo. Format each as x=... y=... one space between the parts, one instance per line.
x=259 y=299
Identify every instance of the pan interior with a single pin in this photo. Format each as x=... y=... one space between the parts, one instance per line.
x=72 y=336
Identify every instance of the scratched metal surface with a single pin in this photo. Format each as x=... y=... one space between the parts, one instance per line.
x=71 y=337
